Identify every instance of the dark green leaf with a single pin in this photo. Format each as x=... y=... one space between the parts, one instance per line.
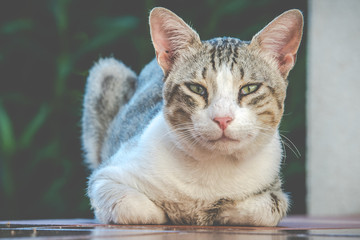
x=7 y=138
x=7 y=180
x=16 y=26
x=65 y=65
x=34 y=125
x=110 y=30
x=59 y=9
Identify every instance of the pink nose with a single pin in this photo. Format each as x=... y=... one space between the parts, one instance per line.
x=223 y=122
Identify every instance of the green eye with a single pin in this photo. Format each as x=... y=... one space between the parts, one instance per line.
x=249 y=89
x=198 y=89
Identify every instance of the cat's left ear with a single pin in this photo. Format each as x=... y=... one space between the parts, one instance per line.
x=170 y=36
x=281 y=39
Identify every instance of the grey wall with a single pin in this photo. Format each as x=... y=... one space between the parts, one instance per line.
x=333 y=107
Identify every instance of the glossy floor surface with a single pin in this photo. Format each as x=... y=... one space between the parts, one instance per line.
x=290 y=228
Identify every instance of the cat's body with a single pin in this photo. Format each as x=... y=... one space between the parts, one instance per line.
x=193 y=139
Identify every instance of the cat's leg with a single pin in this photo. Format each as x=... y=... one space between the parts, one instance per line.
x=114 y=202
x=264 y=209
x=110 y=85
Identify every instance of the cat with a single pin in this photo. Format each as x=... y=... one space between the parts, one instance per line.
x=194 y=138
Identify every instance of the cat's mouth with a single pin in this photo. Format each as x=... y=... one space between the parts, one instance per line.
x=224 y=139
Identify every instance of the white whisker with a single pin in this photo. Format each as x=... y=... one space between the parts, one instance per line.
x=287 y=142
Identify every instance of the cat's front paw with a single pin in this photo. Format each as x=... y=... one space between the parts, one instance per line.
x=117 y=203
x=265 y=209
x=136 y=208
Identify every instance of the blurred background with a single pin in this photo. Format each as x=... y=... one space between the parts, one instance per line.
x=46 y=49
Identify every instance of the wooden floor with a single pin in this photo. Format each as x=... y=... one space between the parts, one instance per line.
x=294 y=227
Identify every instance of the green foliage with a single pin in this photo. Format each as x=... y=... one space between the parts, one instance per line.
x=46 y=49
x=6 y=133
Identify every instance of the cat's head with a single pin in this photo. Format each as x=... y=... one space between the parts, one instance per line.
x=224 y=95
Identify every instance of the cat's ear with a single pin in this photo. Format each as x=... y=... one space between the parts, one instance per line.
x=170 y=35
x=281 y=39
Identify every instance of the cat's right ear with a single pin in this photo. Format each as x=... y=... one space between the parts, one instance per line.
x=170 y=36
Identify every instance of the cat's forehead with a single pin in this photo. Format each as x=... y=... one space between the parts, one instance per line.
x=224 y=49
x=235 y=55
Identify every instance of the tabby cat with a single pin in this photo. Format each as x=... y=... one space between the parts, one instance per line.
x=194 y=138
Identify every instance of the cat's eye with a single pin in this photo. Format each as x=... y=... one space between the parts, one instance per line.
x=249 y=89
x=198 y=89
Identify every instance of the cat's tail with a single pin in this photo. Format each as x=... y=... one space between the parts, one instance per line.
x=110 y=85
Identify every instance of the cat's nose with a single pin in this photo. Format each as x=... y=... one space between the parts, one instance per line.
x=223 y=122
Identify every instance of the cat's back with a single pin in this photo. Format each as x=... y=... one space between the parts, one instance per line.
x=135 y=116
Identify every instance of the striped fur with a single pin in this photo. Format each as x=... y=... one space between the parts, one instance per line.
x=194 y=138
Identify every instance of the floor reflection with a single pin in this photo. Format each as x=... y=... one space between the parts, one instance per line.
x=93 y=230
